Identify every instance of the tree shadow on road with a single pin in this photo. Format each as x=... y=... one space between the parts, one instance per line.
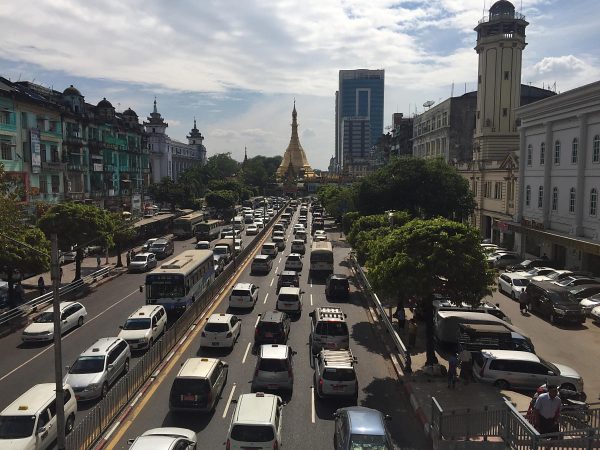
x=363 y=334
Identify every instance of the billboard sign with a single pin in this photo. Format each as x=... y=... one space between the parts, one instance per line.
x=36 y=157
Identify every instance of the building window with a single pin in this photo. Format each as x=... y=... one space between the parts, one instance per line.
x=506 y=74
x=504 y=112
x=43 y=185
x=541 y=196
x=554 y=198
x=498 y=190
x=445 y=119
x=593 y=201
x=55 y=184
x=596 y=149
x=574 y=146
x=528 y=195
x=572 y=200
x=54 y=153
x=529 y=154
x=542 y=153
x=6 y=150
x=557 y=152
x=510 y=190
x=487 y=189
x=43 y=156
x=439 y=121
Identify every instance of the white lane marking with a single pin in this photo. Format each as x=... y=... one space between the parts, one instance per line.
x=272 y=281
x=266 y=297
x=279 y=259
x=67 y=336
x=229 y=401
x=312 y=404
x=311 y=300
x=311 y=285
x=246 y=353
x=257 y=319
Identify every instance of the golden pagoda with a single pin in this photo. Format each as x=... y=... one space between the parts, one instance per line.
x=294 y=164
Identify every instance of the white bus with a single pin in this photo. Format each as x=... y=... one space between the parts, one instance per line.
x=238 y=223
x=321 y=258
x=185 y=226
x=179 y=282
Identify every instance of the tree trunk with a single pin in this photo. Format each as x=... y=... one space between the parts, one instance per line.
x=78 y=259
x=119 y=261
x=430 y=344
x=12 y=303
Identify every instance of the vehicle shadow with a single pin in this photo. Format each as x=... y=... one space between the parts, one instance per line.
x=213 y=352
x=363 y=334
x=326 y=407
x=193 y=421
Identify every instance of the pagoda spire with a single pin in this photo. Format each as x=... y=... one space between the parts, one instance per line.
x=155 y=111
x=294 y=159
x=245 y=155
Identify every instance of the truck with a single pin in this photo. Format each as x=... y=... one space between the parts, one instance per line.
x=224 y=248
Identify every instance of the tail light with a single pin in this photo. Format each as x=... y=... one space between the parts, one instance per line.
x=229 y=334
x=275 y=446
x=228 y=446
x=203 y=334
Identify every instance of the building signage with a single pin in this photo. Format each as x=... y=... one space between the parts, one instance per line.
x=136 y=202
x=98 y=167
x=36 y=157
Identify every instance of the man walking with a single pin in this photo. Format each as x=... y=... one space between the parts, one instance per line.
x=412 y=333
x=41 y=285
x=98 y=261
x=547 y=410
x=401 y=316
x=452 y=369
x=524 y=301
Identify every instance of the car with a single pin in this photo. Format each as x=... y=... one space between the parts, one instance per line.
x=142 y=262
x=301 y=234
x=360 y=427
x=260 y=224
x=584 y=290
x=279 y=241
x=512 y=284
x=298 y=246
x=273 y=327
x=269 y=249
x=162 y=248
x=555 y=302
x=504 y=259
x=261 y=264
x=535 y=272
x=289 y=299
x=320 y=238
x=70 y=255
x=529 y=264
x=221 y=330
x=256 y=422
x=225 y=231
x=589 y=303
x=144 y=326
x=274 y=368
x=302 y=220
x=278 y=227
x=576 y=280
x=278 y=233
x=148 y=244
x=321 y=233
x=294 y=262
x=335 y=374
x=98 y=367
x=72 y=315
x=219 y=263
x=298 y=227
x=287 y=278
x=202 y=245
x=328 y=329
x=337 y=286
x=166 y=438
x=251 y=230
x=595 y=314
x=239 y=246
x=243 y=295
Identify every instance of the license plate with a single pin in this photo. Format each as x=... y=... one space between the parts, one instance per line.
x=188 y=397
x=215 y=344
x=338 y=388
x=269 y=335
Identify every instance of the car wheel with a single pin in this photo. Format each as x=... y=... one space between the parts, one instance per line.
x=69 y=424
x=513 y=296
x=126 y=367
x=80 y=321
x=104 y=390
x=502 y=384
x=552 y=318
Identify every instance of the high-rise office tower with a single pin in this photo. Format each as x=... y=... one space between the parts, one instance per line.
x=359 y=116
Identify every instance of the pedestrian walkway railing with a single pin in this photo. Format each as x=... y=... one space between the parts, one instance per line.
x=44 y=300
x=122 y=394
x=370 y=293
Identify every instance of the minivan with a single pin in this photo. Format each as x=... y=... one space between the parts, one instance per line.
x=162 y=248
x=30 y=421
x=198 y=385
x=256 y=422
x=289 y=300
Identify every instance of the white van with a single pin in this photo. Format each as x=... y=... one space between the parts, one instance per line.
x=30 y=421
x=238 y=223
x=256 y=422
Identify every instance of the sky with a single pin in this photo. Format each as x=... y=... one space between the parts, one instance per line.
x=237 y=66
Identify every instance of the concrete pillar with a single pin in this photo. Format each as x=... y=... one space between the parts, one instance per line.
x=581 y=159
x=522 y=164
x=548 y=163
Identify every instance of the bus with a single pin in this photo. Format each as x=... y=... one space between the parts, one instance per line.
x=181 y=281
x=185 y=226
x=254 y=202
x=321 y=258
x=209 y=230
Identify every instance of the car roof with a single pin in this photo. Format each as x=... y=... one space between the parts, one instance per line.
x=338 y=276
x=270 y=244
x=101 y=346
x=243 y=286
x=295 y=255
x=160 y=241
x=274 y=351
x=255 y=408
x=262 y=257
x=219 y=318
x=144 y=311
x=31 y=400
x=145 y=254
x=297 y=241
x=365 y=421
x=549 y=286
x=289 y=290
x=272 y=316
x=510 y=354
x=63 y=306
x=197 y=367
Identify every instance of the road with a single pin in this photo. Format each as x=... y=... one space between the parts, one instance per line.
x=307 y=422
x=575 y=346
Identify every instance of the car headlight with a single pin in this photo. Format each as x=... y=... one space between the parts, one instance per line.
x=92 y=387
x=559 y=311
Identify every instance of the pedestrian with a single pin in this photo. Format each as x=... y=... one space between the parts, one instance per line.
x=41 y=285
x=401 y=316
x=412 y=333
x=132 y=253
x=452 y=369
x=523 y=301
x=128 y=257
x=20 y=292
x=466 y=365
x=547 y=411
x=98 y=261
x=61 y=274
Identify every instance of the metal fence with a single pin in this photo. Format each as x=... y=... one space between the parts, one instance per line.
x=44 y=300
x=101 y=416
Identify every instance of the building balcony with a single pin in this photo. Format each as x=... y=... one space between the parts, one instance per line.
x=71 y=139
x=97 y=167
x=76 y=167
x=11 y=165
x=8 y=127
x=51 y=166
x=80 y=196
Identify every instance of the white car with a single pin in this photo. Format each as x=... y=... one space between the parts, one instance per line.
x=535 y=272
x=589 y=303
x=299 y=226
x=221 y=330
x=278 y=233
x=239 y=246
x=595 y=314
x=243 y=295
x=202 y=245
x=251 y=230
x=148 y=244
x=320 y=233
x=72 y=314
x=319 y=238
x=168 y=438
x=294 y=262
x=259 y=223
x=142 y=262
x=512 y=284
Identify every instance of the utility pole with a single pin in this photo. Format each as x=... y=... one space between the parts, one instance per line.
x=60 y=394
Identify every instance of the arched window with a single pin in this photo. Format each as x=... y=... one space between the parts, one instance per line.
x=528 y=195
x=554 y=198
x=541 y=196
x=572 y=200
x=593 y=202
x=596 y=149
x=529 y=154
x=542 y=153
x=557 y=152
x=574 y=148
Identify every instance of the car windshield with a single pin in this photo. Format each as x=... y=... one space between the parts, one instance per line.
x=139 y=259
x=339 y=375
x=137 y=324
x=288 y=298
x=187 y=385
x=564 y=298
x=252 y=433
x=520 y=282
x=240 y=293
x=290 y=279
x=88 y=364
x=272 y=365
x=45 y=317
x=366 y=441
x=269 y=327
x=16 y=427
x=216 y=327
x=554 y=275
x=220 y=250
x=332 y=328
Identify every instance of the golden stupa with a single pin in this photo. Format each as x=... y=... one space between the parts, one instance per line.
x=294 y=164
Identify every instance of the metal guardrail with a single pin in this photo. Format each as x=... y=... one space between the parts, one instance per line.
x=368 y=291
x=101 y=416
x=45 y=299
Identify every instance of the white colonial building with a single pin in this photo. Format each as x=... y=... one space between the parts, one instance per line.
x=560 y=178
x=168 y=157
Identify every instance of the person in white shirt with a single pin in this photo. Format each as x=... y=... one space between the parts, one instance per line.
x=547 y=410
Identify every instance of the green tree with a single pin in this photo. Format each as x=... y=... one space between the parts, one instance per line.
x=122 y=233
x=424 y=257
x=260 y=171
x=220 y=166
x=337 y=200
x=223 y=201
x=78 y=225
x=167 y=191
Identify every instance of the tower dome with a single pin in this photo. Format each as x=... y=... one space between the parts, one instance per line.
x=502 y=8
x=129 y=112
x=71 y=91
x=104 y=103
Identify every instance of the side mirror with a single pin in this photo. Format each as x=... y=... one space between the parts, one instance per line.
x=294 y=352
x=225 y=364
x=155 y=327
x=110 y=366
x=311 y=314
x=121 y=327
x=41 y=430
x=67 y=368
x=388 y=417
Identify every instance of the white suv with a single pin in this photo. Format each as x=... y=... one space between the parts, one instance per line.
x=289 y=300
x=256 y=422
x=72 y=314
x=144 y=326
x=243 y=295
x=221 y=330
x=168 y=438
x=335 y=375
